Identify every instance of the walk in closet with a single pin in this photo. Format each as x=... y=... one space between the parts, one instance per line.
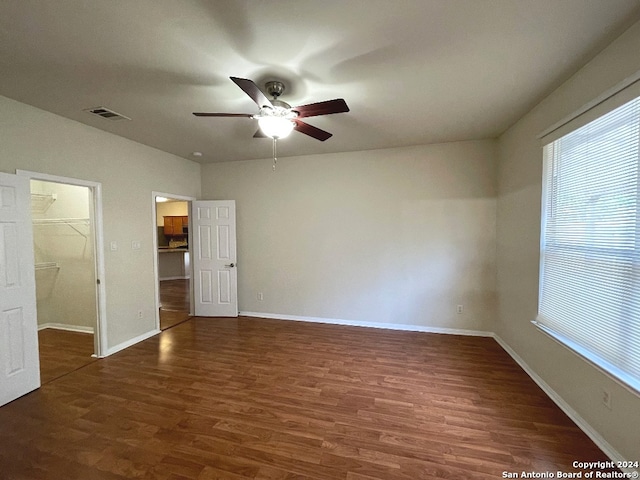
x=64 y=257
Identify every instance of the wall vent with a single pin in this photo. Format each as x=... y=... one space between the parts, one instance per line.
x=106 y=113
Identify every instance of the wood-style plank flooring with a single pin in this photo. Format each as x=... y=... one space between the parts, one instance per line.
x=280 y=400
x=174 y=302
x=62 y=352
x=170 y=319
x=174 y=295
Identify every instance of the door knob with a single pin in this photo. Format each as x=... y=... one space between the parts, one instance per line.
x=231 y=265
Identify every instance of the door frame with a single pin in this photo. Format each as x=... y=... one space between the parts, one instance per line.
x=100 y=334
x=156 y=275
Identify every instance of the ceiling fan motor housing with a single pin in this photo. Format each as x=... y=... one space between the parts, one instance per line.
x=274 y=88
x=280 y=104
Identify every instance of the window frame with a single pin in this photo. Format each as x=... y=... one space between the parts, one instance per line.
x=550 y=187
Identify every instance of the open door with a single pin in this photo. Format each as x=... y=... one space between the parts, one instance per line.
x=213 y=240
x=19 y=361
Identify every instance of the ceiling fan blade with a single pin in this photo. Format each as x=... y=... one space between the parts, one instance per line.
x=206 y=114
x=322 y=108
x=312 y=131
x=253 y=91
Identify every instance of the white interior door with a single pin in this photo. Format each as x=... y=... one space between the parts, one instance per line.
x=19 y=361
x=215 y=276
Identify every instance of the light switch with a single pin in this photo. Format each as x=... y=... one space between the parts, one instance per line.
x=135 y=245
x=114 y=246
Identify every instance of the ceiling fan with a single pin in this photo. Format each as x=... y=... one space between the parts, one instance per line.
x=277 y=118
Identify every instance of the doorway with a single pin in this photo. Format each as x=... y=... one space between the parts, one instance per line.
x=67 y=230
x=173 y=265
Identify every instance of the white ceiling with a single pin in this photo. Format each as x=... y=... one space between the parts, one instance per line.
x=412 y=71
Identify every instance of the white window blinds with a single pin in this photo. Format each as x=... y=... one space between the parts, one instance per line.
x=590 y=242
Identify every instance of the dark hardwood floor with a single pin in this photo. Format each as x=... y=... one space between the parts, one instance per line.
x=174 y=295
x=276 y=400
x=174 y=302
x=62 y=352
x=170 y=319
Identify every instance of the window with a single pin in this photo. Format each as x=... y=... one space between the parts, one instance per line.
x=590 y=242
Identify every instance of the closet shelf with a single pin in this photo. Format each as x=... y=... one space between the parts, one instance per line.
x=40 y=202
x=47 y=266
x=64 y=221
x=71 y=222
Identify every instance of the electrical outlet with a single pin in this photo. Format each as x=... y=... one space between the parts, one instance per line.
x=139 y=313
x=460 y=309
x=260 y=296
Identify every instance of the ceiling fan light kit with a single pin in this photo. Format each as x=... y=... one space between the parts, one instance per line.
x=276 y=122
x=277 y=119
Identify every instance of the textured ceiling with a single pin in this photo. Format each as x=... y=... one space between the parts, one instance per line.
x=412 y=71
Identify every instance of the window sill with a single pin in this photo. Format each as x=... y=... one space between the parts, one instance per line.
x=613 y=372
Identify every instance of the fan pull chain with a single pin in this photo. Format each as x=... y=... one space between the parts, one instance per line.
x=275 y=158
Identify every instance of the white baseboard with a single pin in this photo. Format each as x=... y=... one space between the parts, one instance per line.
x=582 y=424
x=355 y=323
x=66 y=327
x=128 y=343
x=173 y=278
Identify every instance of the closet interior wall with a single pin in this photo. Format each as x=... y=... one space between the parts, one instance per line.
x=64 y=256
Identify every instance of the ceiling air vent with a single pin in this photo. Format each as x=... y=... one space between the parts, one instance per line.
x=106 y=113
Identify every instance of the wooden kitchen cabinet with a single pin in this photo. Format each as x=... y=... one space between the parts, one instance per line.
x=176 y=226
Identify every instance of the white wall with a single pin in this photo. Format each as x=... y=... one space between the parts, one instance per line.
x=66 y=295
x=36 y=140
x=398 y=236
x=520 y=172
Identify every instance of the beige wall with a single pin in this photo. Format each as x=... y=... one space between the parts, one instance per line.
x=519 y=179
x=398 y=236
x=66 y=294
x=39 y=141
